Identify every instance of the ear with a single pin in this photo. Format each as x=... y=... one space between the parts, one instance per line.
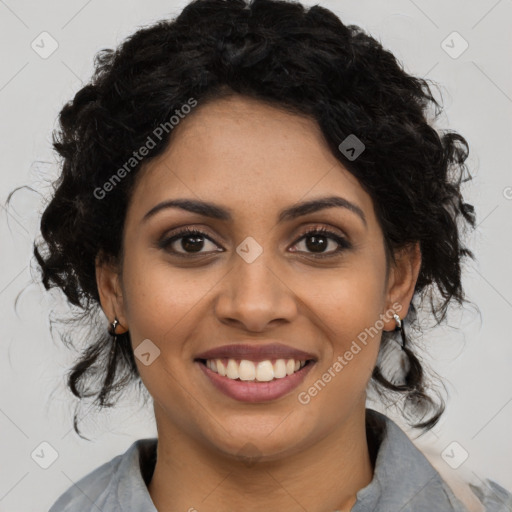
x=110 y=291
x=403 y=274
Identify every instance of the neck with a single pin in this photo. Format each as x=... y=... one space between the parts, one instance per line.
x=188 y=476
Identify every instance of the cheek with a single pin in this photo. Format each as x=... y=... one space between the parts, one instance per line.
x=351 y=298
x=350 y=318
x=160 y=299
x=153 y=287
x=161 y=305
x=348 y=306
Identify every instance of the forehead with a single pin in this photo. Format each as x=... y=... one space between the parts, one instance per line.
x=248 y=155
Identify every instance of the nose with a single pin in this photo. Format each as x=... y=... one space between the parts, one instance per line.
x=254 y=295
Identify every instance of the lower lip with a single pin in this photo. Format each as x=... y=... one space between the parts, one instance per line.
x=246 y=391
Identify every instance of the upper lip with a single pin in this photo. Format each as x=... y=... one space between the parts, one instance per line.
x=257 y=352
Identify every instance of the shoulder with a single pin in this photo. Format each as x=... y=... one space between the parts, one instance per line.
x=410 y=482
x=479 y=495
x=493 y=496
x=403 y=477
x=113 y=486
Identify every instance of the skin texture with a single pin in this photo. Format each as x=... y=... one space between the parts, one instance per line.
x=254 y=160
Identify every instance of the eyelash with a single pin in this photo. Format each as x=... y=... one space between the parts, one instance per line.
x=343 y=243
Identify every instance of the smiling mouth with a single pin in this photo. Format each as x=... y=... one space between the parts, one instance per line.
x=255 y=371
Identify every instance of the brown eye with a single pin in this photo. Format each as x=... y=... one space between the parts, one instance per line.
x=191 y=241
x=317 y=240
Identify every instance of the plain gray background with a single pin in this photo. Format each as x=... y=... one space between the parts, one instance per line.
x=474 y=355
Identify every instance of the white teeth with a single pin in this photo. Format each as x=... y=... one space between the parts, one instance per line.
x=221 y=369
x=232 y=369
x=246 y=370
x=280 y=369
x=262 y=371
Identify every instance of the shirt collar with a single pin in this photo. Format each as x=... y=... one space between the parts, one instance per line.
x=403 y=478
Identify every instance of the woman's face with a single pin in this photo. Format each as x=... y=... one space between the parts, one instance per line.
x=254 y=279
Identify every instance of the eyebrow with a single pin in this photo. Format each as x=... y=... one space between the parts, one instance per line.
x=216 y=212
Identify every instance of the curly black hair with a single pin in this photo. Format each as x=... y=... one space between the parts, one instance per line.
x=279 y=52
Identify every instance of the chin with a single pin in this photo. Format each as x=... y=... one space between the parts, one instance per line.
x=251 y=443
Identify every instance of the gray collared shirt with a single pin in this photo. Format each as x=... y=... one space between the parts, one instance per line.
x=403 y=480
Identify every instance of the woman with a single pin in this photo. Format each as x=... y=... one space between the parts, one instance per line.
x=253 y=196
